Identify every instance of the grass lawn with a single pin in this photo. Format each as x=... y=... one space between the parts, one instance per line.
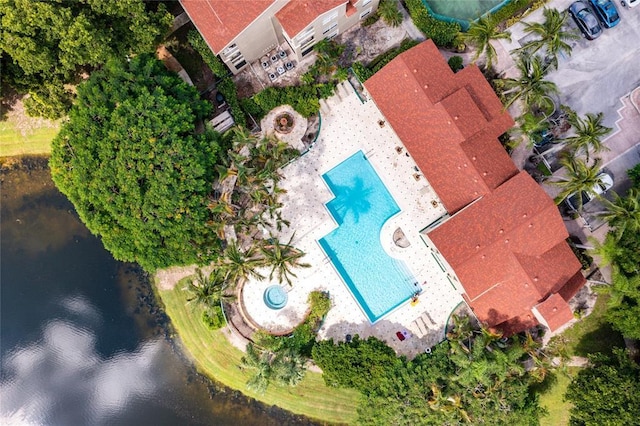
x=36 y=140
x=217 y=358
x=591 y=334
x=551 y=399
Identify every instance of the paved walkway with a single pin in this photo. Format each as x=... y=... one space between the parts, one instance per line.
x=347 y=127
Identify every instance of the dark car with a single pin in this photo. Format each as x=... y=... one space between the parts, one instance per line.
x=585 y=19
x=606 y=11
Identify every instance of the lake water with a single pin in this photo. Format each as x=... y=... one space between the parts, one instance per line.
x=82 y=341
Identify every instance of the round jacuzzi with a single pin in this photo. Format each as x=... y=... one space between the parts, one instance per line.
x=275 y=297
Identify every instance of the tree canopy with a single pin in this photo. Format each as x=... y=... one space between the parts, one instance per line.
x=606 y=393
x=472 y=378
x=133 y=165
x=47 y=44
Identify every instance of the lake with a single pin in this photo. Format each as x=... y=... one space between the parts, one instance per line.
x=82 y=340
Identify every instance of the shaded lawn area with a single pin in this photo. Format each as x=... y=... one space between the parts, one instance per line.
x=215 y=357
x=37 y=140
x=551 y=394
x=591 y=334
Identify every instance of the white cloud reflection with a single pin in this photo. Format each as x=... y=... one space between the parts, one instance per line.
x=62 y=379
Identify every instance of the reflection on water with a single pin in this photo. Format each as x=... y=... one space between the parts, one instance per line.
x=82 y=341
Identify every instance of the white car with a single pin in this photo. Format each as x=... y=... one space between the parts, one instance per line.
x=605 y=183
x=631 y=3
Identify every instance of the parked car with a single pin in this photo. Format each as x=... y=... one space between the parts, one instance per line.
x=631 y=3
x=585 y=19
x=606 y=12
x=605 y=184
x=542 y=138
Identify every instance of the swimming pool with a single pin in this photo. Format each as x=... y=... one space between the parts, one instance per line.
x=361 y=206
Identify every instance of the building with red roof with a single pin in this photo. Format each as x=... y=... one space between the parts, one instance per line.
x=503 y=236
x=241 y=32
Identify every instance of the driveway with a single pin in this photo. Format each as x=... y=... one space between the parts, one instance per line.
x=601 y=71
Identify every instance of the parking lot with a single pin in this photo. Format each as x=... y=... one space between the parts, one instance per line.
x=600 y=71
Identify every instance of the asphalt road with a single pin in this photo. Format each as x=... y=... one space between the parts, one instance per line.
x=599 y=72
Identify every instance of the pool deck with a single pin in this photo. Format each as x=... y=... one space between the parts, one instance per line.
x=347 y=127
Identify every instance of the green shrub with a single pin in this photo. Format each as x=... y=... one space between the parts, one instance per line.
x=371 y=19
x=227 y=87
x=304 y=99
x=388 y=10
x=213 y=318
x=442 y=33
x=455 y=63
x=362 y=72
x=320 y=304
x=386 y=57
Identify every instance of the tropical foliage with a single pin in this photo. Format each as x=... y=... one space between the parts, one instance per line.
x=579 y=177
x=589 y=132
x=442 y=33
x=303 y=337
x=550 y=36
x=474 y=377
x=48 y=44
x=480 y=34
x=284 y=367
x=531 y=87
x=606 y=393
x=131 y=162
x=388 y=11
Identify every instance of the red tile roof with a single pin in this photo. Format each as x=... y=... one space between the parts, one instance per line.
x=554 y=312
x=448 y=122
x=505 y=239
x=298 y=14
x=220 y=21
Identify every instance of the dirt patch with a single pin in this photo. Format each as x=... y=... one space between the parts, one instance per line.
x=166 y=279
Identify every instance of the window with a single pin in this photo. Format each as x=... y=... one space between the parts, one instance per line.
x=240 y=64
x=330 y=17
x=303 y=35
x=306 y=52
x=366 y=2
x=365 y=13
x=307 y=42
x=331 y=28
x=230 y=50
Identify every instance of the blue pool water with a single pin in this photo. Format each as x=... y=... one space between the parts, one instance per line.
x=361 y=206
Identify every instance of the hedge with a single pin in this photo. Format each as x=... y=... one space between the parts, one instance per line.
x=442 y=33
x=225 y=85
x=304 y=99
x=365 y=72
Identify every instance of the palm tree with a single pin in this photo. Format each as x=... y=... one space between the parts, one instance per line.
x=530 y=87
x=288 y=367
x=259 y=362
x=480 y=35
x=201 y=289
x=589 y=132
x=285 y=367
x=623 y=213
x=238 y=264
x=388 y=11
x=551 y=35
x=282 y=257
x=530 y=127
x=579 y=178
x=208 y=290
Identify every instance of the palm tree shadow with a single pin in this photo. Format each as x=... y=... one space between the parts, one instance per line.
x=351 y=199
